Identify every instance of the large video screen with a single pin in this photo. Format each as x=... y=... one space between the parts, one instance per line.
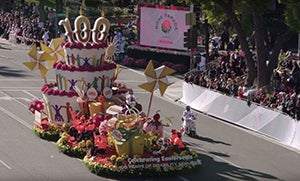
x=162 y=27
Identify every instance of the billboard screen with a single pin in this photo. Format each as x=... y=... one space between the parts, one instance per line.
x=162 y=28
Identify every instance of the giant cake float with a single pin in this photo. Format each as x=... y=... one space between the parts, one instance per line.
x=85 y=111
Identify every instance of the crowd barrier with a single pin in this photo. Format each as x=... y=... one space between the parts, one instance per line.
x=254 y=117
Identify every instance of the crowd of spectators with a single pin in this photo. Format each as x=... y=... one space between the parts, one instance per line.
x=21 y=24
x=227 y=75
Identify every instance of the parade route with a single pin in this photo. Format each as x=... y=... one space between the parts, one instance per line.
x=227 y=152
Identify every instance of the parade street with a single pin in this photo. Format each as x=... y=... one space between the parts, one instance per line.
x=227 y=152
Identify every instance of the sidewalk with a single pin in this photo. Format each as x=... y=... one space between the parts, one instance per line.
x=5 y=44
x=174 y=91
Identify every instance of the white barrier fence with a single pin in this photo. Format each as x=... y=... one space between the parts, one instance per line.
x=271 y=123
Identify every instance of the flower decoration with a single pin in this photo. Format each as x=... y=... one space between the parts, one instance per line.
x=46 y=130
x=36 y=105
x=140 y=63
x=156 y=78
x=166 y=26
x=129 y=61
x=54 y=49
x=37 y=59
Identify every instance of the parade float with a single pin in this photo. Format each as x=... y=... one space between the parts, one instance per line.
x=85 y=109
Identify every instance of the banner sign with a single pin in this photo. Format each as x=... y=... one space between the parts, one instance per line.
x=162 y=27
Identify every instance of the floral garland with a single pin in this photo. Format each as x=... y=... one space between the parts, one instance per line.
x=75 y=149
x=184 y=162
x=158 y=50
x=142 y=63
x=50 y=134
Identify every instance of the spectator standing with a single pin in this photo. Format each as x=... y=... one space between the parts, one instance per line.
x=122 y=45
x=119 y=41
x=46 y=37
x=224 y=39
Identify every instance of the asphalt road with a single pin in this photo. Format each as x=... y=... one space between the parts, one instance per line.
x=227 y=152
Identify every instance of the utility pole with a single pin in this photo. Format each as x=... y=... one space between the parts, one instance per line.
x=191 y=35
x=206 y=41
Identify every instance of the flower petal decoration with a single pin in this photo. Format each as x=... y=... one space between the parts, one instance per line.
x=54 y=49
x=156 y=78
x=37 y=60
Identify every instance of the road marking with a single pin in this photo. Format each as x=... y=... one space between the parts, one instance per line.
x=24 y=105
x=28 y=93
x=15 y=117
x=24 y=80
x=22 y=88
x=182 y=178
x=5 y=57
x=3 y=163
x=14 y=98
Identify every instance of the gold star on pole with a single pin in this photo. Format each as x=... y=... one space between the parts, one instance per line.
x=117 y=72
x=37 y=60
x=54 y=49
x=156 y=79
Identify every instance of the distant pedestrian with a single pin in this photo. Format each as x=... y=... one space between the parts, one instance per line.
x=46 y=37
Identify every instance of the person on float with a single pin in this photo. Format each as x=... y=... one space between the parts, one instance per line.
x=154 y=125
x=178 y=143
x=130 y=98
x=187 y=116
x=173 y=136
x=131 y=101
x=163 y=144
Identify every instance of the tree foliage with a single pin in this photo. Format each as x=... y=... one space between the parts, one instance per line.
x=292 y=14
x=247 y=16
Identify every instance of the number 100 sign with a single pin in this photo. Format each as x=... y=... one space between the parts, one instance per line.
x=99 y=31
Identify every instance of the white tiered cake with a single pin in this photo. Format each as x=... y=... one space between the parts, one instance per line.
x=83 y=74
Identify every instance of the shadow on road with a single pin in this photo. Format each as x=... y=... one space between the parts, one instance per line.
x=210 y=140
x=218 y=154
x=8 y=72
x=219 y=171
x=212 y=170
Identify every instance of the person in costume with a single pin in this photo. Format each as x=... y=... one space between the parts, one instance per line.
x=187 y=117
x=163 y=144
x=154 y=125
x=178 y=143
x=130 y=99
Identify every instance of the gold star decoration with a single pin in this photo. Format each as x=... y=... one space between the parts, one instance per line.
x=54 y=49
x=37 y=60
x=156 y=78
x=117 y=72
